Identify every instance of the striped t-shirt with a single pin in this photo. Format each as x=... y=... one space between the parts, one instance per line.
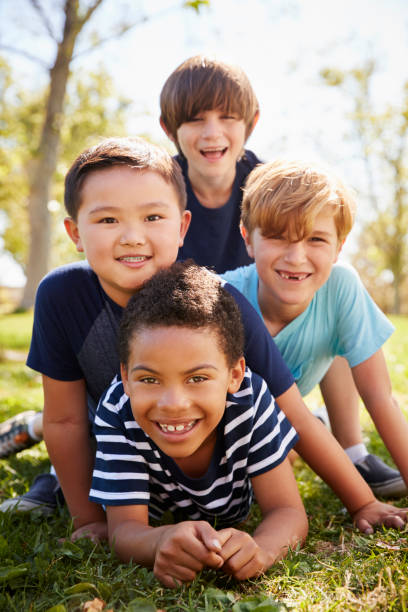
x=253 y=437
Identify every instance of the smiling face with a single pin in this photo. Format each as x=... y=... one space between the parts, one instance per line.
x=212 y=142
x=129 y=226
x=291 y=272
x=177 y=379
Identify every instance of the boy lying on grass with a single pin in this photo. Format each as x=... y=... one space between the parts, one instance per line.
x=197 y=433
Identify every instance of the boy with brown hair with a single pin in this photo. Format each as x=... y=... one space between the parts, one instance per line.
x=208 y=110
x=295 y=218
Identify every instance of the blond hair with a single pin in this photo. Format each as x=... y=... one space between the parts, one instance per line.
x=284 y=198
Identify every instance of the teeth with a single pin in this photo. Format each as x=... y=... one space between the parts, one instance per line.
x=181 y=427
x=293 y=276
x=133 y=259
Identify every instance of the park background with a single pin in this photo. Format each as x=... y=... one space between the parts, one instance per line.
x=332 y=81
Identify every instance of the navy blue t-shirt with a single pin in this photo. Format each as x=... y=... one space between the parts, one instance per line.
x=76 y=326
x=213 y=238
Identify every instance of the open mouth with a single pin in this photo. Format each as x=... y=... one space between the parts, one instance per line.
x=293 y=276
x=214 y=154
x=177 y=428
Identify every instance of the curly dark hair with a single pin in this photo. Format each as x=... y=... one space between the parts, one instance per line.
x=184 y=295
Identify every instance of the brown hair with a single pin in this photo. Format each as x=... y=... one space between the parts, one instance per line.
x=132 y=152
x=284 y=197
x=201 y=84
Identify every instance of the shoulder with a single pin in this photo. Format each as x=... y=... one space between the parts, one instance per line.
x=250 y=160
x=68 y=277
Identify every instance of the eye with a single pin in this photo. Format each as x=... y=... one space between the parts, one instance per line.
x=316 y=239
x=148 y=380
x=151 y=218
x=107 y=220
x=197 y=378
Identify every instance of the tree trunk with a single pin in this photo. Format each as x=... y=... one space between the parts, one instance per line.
x=45 y=161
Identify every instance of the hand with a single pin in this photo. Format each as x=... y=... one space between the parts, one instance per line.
x=97 y=532
x=183 y=550
x=379 y=513
x=243 y=557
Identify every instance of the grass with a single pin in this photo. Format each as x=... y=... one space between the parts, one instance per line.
x=338 y=569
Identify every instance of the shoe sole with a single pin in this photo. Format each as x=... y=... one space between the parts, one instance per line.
x=25 y=505
x=395 y=488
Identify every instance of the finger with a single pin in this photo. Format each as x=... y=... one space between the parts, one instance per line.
x=209 y=536
x=364 y=526
x=394 y=521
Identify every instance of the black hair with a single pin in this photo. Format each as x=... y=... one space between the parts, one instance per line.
x=184 y=295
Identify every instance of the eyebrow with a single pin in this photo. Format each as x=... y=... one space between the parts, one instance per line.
x=109 y=208
x=201 y=366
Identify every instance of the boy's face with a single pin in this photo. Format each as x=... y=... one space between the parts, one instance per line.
x=291 y=272
x=177 y=379
x=212 y=142
x=129 y=226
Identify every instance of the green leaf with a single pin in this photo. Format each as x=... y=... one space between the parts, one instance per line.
x=69 y=549
x=57 y=608
x=81 y=587
x=258 y=604
x=223 y=597
x=12 y=571
x=140 y=605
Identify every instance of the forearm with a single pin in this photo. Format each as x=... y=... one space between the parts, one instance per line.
x=132 y=540
x=69 y=448
x=280 y=530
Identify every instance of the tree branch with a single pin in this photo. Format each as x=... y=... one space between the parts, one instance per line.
x=25 y=54
x=44 y=19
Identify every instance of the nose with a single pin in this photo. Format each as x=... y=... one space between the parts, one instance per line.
x=132 y=235
x=295 y=252
x=211 y=127
x=173 y=401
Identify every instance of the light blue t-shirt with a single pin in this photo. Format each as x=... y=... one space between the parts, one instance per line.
x=342 y=319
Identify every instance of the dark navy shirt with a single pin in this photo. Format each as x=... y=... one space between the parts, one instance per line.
x=76 y=326
x=213 y=238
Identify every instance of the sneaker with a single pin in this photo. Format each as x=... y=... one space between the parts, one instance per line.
x=14 y=435
x=44 y=495
x=383 y=480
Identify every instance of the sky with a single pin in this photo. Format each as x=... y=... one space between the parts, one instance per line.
x=281 y=44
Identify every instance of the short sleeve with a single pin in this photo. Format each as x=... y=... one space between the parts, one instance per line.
x=362 y=328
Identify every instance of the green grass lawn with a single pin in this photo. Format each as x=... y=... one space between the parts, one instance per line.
x=338 y=569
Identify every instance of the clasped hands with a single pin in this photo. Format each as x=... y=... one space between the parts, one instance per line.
x=186 y=548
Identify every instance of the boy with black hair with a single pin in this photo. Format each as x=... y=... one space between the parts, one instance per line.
x=196 y=434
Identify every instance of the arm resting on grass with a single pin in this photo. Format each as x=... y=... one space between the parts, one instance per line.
x=175 y=552
x=66 y=434
x=323 y=453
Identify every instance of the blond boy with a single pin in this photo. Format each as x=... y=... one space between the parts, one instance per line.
x=295 y=218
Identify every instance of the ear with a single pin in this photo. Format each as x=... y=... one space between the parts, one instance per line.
x=184 y=225
x=71 y=228
x=167 y=132
x=236 y=375
x=124 y=377
x=247 y=239
x=253 y=124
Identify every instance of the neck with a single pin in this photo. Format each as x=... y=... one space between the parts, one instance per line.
x=212 y=192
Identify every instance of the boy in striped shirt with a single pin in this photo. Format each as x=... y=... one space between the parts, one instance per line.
x=193 y=431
